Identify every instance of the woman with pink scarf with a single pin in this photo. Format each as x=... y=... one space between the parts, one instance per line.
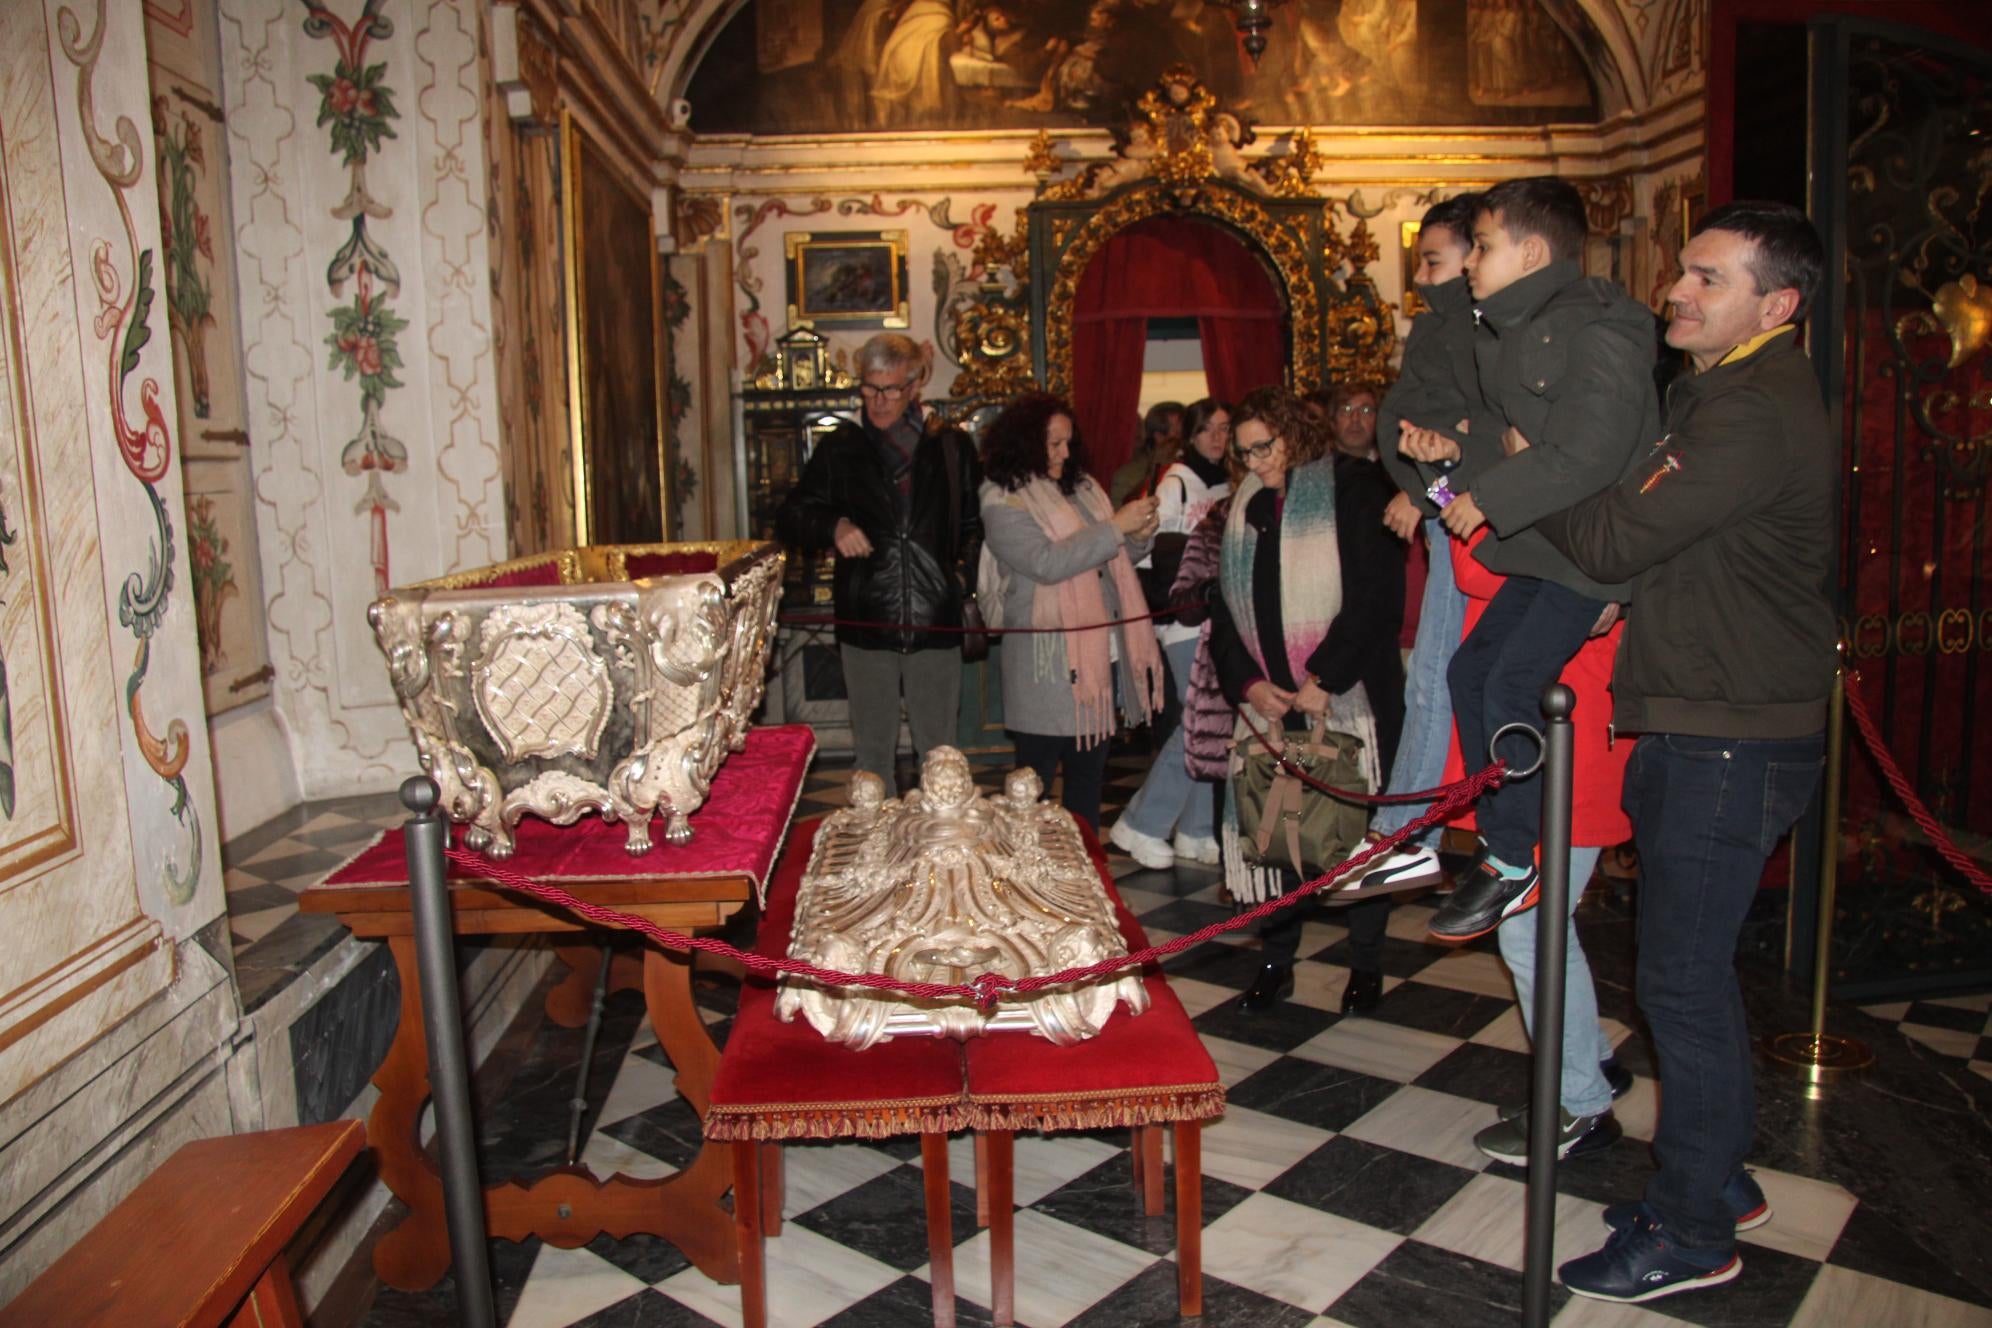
x=1067 y=562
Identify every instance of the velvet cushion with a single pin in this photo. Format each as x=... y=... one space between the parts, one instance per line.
x=784 y=1081
x=545 y=573
x=1141 y=1068
x=738 y=831
x=639 y=565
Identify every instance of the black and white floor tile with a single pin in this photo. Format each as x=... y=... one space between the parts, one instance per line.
x=1341 y=1187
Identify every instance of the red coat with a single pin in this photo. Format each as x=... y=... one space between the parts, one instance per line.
x=1596 y=816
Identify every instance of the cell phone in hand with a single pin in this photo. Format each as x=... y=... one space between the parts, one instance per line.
x=1441 y=492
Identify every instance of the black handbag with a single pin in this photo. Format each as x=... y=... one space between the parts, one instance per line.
x=1159 y=577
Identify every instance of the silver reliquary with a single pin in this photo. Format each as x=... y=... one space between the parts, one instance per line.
x=941 y=886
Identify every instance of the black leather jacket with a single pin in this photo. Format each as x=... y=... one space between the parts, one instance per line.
x=915 y=574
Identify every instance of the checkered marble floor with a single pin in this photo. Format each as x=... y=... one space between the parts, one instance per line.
x=1959 y=1026
x=1341 y=1187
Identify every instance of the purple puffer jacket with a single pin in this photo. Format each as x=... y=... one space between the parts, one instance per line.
x=1207 y=716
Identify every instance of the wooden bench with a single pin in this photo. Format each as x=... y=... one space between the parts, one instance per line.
x=781 y=1081
x=200 y=1242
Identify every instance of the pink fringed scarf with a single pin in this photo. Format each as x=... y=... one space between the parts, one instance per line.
x=1077 y=600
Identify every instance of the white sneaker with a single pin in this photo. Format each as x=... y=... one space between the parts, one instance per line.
x=1404 y=869
x=1150 y=852
x=1198 y=848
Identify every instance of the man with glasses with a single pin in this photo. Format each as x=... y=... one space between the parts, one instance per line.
x=895 y=496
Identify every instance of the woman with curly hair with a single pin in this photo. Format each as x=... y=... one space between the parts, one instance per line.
x=1068 y=559
x=1288 y=647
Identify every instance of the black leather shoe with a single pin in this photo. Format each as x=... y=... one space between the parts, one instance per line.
x=1617 y=1076
x=1365 y=989
x=1273 y=985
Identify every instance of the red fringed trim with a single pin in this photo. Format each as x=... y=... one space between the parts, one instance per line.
x=1091 y=1112
x=774 y=1122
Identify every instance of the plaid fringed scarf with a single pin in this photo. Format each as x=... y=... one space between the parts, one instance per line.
x=1310 y=598
x=1077 y=600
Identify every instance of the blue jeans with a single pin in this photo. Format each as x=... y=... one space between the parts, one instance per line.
x=1529 y=632
x=1421 y=750
x=1585 y=1091
x=1706 y=813
x=1169 y=801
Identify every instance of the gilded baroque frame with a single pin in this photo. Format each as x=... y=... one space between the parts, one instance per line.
x=1066 y=235
x=576 y=148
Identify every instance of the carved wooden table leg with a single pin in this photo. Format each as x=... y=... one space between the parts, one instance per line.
x=1002 y=1229
x=415 y=1255
x=773 y=1189
x=272 y=1302
x=567 y=1207
x=747 y=1232
x=1148 y=1174
x=1189 y=1218
x=940 y=1227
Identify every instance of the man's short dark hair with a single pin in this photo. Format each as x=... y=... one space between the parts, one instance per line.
x=1456 y=215
x=1156 y=422
x=1543 y=206
x=1788 y=253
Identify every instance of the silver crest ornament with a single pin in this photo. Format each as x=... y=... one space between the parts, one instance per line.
x=944 y=885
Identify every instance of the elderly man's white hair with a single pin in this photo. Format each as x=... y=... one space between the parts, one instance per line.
x=892 y=351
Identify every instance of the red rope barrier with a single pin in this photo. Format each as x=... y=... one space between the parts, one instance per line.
x=1884 y=759
x=987 y=988
x=827 y=620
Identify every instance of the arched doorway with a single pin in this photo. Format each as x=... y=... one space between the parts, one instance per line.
x=1170 y=267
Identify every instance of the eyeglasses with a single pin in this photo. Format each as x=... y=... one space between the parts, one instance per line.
x=889 y=392
x=1257 y=451
x=1348 y=408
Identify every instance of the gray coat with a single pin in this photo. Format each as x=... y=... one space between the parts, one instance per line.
x=1031 y=558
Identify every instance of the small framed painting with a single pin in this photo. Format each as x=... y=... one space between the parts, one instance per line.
x=848 y=279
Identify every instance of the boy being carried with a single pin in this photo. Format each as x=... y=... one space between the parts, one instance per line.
x=1567 y=362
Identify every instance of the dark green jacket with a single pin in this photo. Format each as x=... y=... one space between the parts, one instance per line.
x=1437 y=387
x=1568 y=360
x=1725 y=529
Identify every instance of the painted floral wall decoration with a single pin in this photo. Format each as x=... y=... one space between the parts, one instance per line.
x=214 y=578
x=356 y=108
x=187 y=240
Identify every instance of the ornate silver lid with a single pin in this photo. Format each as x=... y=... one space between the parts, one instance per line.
x=943 y=885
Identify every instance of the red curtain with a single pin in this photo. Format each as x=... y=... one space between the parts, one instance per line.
x=1168 y=267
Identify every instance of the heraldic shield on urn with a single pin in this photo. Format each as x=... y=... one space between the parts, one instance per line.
x=943 y=885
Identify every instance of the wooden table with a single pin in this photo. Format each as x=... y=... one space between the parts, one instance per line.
x=785 y=1081
x=200 y=1242
x=737 y=837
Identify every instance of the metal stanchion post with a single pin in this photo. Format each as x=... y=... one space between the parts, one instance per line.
x=1817 y=1055
x=449 y=1067
x=1552 y=923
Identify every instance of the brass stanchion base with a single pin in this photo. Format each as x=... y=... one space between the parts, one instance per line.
x=1818 y=1057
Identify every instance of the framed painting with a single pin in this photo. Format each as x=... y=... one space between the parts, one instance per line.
x=615 y=336
x=849 y=279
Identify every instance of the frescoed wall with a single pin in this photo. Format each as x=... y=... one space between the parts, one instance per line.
x=358 y=176
x=825 y=66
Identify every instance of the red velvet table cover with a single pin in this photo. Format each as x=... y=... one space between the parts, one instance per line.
x=1137 y=1071
x=738 y=831
x=786 y=1081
